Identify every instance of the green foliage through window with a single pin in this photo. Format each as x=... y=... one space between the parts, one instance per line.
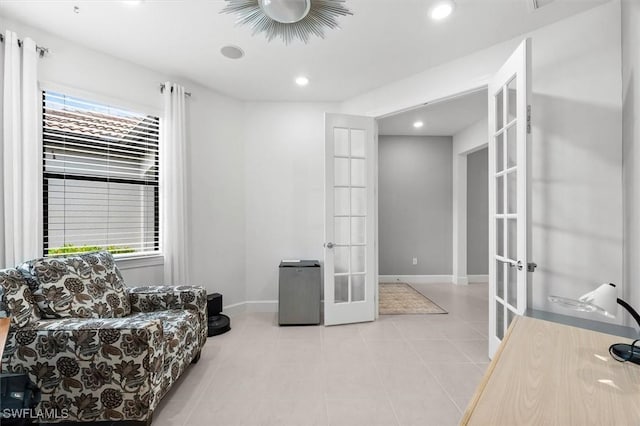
x=73 y=249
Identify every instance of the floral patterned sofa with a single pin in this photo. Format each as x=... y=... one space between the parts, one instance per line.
x=98 y=351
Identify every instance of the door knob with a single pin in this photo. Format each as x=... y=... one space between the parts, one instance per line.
x=517 y=264
x=329 y=245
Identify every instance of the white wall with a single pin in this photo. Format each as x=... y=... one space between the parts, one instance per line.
x=631 y=147
x=577 y=196
x=284 y=189
x=216 y=158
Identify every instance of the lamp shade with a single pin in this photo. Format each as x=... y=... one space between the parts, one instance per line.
x=603 y=300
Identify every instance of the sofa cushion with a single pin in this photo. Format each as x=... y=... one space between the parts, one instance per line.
x=16 y=298
x=82 y=286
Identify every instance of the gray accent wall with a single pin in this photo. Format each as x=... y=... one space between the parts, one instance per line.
x=415 y=205
x=478 y=212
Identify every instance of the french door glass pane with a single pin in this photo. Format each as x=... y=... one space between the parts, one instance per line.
x=499 y=320
x=341 y=230
x=500 y=195
x=512 y=146
x=341 y=172
x=358 y=201
x=500 y=152
x=341 y=259
x=500 y=279
x=357 y=288
x=357 y=142
x=341 y=142
x=512 y=101
x=357 y=259
x=341 y=201
x=357 y=230
x=512 y=286
x=341 y=287
x=512 y=198
x=358 y=171
x=499 y=111
x=500 y=237
x=512 y=239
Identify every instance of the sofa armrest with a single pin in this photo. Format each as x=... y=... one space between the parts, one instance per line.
x=160 y=298
x=91 y=369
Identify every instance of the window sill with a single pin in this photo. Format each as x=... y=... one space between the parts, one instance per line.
x=139 y=261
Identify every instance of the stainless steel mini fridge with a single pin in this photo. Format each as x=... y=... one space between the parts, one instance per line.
x=299 y=292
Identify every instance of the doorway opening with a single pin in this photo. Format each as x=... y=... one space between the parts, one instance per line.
x=433 y=203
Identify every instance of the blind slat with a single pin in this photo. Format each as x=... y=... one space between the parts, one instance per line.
x=62 y=138
x=150 y=125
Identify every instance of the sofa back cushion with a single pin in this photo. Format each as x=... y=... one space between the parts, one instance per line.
x=81 y=286
x=16 y=298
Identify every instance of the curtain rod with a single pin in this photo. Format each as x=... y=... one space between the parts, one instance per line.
x=40 y=49
x=162 y=90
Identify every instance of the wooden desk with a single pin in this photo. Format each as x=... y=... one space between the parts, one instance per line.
x=4 y=331
x=546 y=373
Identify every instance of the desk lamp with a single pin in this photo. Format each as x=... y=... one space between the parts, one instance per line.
x=604 y=300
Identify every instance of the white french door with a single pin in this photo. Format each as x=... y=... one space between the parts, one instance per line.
x=509 y=134
x=349 y=254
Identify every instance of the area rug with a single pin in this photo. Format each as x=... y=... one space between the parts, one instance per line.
x=401 y=298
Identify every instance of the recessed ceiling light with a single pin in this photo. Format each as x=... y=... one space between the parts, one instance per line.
x=418 y=124
x=232 y=52
x=302 y=81
x=442 y=9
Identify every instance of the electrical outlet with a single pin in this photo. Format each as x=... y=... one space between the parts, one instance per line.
x=415 y=260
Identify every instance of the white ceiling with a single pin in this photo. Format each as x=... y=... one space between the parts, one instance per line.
x=444 y=118
x=384 y=41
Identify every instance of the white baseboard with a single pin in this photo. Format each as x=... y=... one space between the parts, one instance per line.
x=235 y=308
x=252 y=306
x=416 y=279
x=473 y=279
x=262 y=305
x=462 y=280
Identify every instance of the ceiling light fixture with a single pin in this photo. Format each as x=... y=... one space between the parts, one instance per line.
x=288 y=19
x=442 y=9
x=232 y=52
x=302 y=81
x=418 y=124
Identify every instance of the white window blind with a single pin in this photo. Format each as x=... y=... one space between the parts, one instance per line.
x=100 y=177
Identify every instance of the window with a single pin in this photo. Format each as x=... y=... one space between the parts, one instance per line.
x=100 y=177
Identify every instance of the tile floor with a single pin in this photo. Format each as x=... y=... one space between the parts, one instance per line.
x=399 y=370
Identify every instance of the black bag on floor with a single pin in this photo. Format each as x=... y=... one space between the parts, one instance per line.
x=18 y=395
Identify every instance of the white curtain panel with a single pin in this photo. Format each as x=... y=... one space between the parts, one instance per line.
x=173 y=186
x=21 y=154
